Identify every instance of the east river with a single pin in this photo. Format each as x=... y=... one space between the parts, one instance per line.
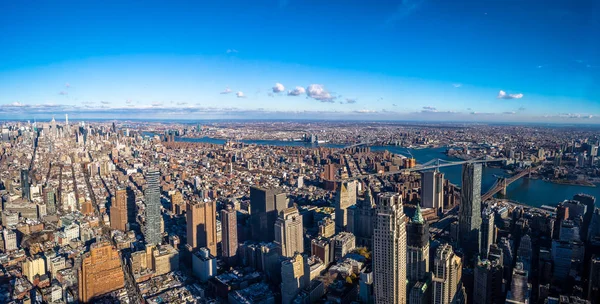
x=532 y=192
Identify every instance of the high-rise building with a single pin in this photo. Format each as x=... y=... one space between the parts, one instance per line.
x=289 y=233
x=202 y=225
x=470 y=210
x=10 y=239
x=360 y=219
x=152 y=231
x=326 y=227
x=204 y=264
x=594 y=279
x=488 y=231
x=293 y=278
x=417 y=248
x=525 y=253
x=389 y=250
x=447 y=275
x=177 y=205
x=488 y=284
x=100 y=271
x=519 y=288
x=265 y=205
x=25 y=184
x=432 y=190
x=49 y=200
x=34 y=266
x=118 y=210
x=345 y=197
x=229 y=238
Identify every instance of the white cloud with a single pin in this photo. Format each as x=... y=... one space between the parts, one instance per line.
x=365 y=111
x=297 y=91
x=350 y=100
x=229 y=51
x=509 y=113
x=457 y=85
x=128 y=101
x=63 y=93
x=156 y=104
x=429 y=109
x=503 y=95
x=67 y=85
x=105 y=102
x=318 y=92
x=278 y=88
x=182 y=103
x=226 y=91
x=240 y=94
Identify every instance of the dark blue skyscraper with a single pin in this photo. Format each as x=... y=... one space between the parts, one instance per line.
x=25 y=184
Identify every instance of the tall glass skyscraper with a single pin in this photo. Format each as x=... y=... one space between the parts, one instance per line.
x=25 y=184
x=469 y=221
x=152 y=232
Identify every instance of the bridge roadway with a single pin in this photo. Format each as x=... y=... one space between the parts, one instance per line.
x=504 y=182
x=432 y=164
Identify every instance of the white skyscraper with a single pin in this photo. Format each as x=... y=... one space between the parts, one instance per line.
x=389 y=246
x=289 y=232
x=447 y=273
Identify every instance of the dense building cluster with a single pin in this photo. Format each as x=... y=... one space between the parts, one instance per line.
x=110 y=213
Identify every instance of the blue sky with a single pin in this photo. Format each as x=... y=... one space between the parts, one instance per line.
x=406 y=59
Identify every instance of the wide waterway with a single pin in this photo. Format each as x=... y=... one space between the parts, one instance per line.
x=532 y=192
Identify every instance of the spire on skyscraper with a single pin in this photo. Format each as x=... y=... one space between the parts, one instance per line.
x=418 y=217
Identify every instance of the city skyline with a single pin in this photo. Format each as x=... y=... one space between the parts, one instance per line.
x=408 y=60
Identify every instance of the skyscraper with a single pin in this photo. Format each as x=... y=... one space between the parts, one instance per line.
x=229 y=239
x=488 y=231
x=345 y=197
x=389 y=250
x=488 y=282
x=447 y=275
x=360 y=219
x=293 y=278
x=118 y=210
x=25 y=184
x=519 y=288
x=152 y=233
x=202 y=225
x=100 y=271
x=432 y=190
x=289 y=234
x=470 y=210
x=417 y=248
x=265 y=205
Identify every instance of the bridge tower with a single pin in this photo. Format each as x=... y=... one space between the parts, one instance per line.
x=503 y=183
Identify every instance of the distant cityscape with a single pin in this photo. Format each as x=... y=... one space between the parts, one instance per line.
x=297 y=212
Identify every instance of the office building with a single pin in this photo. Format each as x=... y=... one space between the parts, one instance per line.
x=488 y=232
x=100 y=271
x=229 y=238
x=417 y=247
x=447 y=275
x=152 y=231
x=10 y=239
x=488 y=282
x=345 y=197
x=524 y=253
x=177 y=204
x=343 y=243
x=326 y=228
x=265 y=205
x=34 y=266
x=293 y=278
x=49 y=196
x=593 y=290
x=202 y=225
x=432 y=190
x=289 y=233
x=519 y=288
x=118 y=210
x=360 y=219
x=25 y=184
x=204 y=265
x=470 y=210
x=389 y=250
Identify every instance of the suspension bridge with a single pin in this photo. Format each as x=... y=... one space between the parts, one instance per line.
x=503 y=182
x=432 y=164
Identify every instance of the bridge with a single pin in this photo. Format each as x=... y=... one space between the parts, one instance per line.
x=364 y=143
x=432 y=164
x=503 y=182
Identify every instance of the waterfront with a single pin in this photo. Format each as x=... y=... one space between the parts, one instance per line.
x=532 y=192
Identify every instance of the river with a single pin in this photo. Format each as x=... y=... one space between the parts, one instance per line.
x=532 y=192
